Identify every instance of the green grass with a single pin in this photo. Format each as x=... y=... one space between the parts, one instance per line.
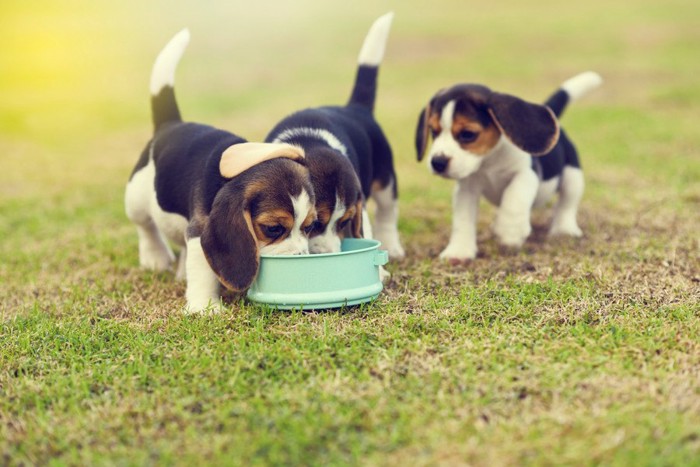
x=572 y=352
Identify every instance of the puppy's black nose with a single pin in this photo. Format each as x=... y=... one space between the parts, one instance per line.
x=439 y=163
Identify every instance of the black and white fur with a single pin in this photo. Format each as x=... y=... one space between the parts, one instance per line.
x=207 y=191
x=510 y=151
x=349 y=158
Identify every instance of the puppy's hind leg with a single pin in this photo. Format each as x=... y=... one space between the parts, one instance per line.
x=154 y=252
x=384 y=275
x=181 y=273
x=570 y=194
x=386 y=220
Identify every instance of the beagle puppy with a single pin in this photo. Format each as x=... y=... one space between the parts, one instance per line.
x=349 y=158
x=222 y=200
x=510 y=151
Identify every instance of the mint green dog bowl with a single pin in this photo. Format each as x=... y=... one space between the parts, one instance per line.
x=314 y=282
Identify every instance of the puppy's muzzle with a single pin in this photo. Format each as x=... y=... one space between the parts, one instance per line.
x=439 y=163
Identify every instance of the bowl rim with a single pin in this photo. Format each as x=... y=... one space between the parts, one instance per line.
x=375 y=245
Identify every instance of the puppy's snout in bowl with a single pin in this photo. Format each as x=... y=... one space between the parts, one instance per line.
x=439 y=163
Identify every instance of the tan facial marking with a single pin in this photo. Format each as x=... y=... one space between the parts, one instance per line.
x=272 y=218
x=434 y=123
x=486 y=139
x=347 y=217
x=349 y=214
x=323 y=214
x=310 y=218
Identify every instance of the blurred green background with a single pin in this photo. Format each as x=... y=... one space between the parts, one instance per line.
x=74 y=74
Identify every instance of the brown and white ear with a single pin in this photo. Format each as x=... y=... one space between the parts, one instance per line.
x=229 y=244
x=422 y=130
x=240 y=157
x=531 y=127
x=357 y=220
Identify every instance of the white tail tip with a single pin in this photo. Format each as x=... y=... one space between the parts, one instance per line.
x=581 y=84
x=372 y=51
x=163 y=73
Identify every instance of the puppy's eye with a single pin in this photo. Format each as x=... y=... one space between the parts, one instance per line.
x=343 y=224
x=466 y=136
x=273 y=231
x=434 y=133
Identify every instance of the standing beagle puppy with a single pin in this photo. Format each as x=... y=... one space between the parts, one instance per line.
x=349 y=158
x=510 y=151
x=222 y=200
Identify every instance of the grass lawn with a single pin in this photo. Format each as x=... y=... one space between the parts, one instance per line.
x=570 y=352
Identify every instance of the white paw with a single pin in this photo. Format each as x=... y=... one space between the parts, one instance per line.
x=456 y=254
x=208 y=307
x=384 y=275
x=565 y=228
x=391 y=243
x=156 y=260
x=512 y=234
x=395 y=251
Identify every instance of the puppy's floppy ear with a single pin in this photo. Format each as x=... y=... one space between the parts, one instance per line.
x=357 y=220
x=531 y=127
x=240 y=157
x=422 y=130
x=229 y=242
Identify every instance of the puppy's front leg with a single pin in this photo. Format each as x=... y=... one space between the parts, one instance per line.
x=202 y=284
x=386 y=220
x=154 y=252
x=512 y=225
x=181 y=273
x=465 y=207
x=384 y=275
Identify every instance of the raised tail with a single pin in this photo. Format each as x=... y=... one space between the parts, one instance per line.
x=572 y=89
x=163 y=104
x=371 y=55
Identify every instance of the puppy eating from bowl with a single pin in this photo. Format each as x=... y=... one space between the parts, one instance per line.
x=222 y=200
x=349 y=158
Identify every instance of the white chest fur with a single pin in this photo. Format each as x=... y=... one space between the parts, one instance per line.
x=499 y=168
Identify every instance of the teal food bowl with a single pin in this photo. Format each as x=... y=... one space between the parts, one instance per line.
x=314 y=282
